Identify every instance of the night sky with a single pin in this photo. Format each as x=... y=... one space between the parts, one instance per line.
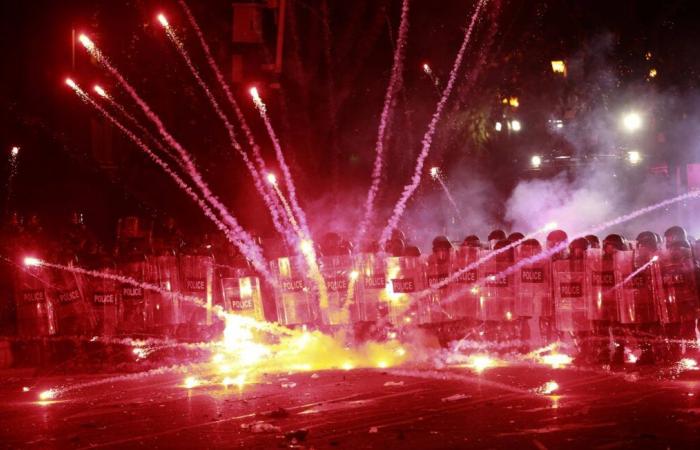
x=59 y=171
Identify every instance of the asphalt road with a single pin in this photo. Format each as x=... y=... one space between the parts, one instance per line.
x=503 y=407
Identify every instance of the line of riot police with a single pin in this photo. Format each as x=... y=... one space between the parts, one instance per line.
x=640 y=295
x=43 y=301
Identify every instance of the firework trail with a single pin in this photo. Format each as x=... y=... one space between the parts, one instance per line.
x=629 y=277
x=249 y=245
x=242 y=240
x=259 y=186
x=288 y=180
x=435 y=173
x=247 y=321
x=227 y=90
x=305 y=246
x=410 y=188
x=594 y=230
x=480 y=261
x=290 y=215
x=14 y=154
x=433 y=79
x=128 y=116
x=394 y=86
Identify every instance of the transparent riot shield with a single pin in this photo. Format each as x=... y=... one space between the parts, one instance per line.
x=197 y=282
x=533 y=288
x=637 y=286
x=293 y=298
x=438 y=306
x=164 y=307
x=74 y=316
x=601 y=297
x=569 y=286
x=336 y=271
x=679 y=299
x=465 y=301
x=370 y=289
x=133 y=305
x=406 y=278
x=104 y=296
x=244 y=297
x=496 y=291
x=35 y=302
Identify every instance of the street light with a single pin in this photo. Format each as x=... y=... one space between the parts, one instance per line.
x=634 y=157
x=559 y=67
x=632 y=121
x=536 y=161
x=499 y=126
x=515 y=125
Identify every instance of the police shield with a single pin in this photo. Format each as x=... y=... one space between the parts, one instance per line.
x=197 y=282
x=406 y=278
x=370 y=289
x=242 y=296
x=35 y=302
x=637 y=286
x=133 y=296
x=533 y=287
x=601 y=297
x=74 y=316
x=336 y=272
x=569 y=287
x=465 y=302
x=496 y=291
x=164 y=309
x=104 y=296
x=439 y=306
x=679 y=299
x=294 y=301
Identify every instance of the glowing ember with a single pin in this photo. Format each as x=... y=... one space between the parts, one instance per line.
x=101 y=92
x=354 y=275
x=271 y=178
x=191 y=382
x=26 y=389
x=549 y=388
x=140 y=352
x=306 y=246
x=49 y=394
x=434 y=172
x=87 y=43
x=71 y=83
x=688 y=364
x=31 y=261
x=238 y=381
x=557 y=360
x=163 y=21
x=15 y=151
x=481 y=362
